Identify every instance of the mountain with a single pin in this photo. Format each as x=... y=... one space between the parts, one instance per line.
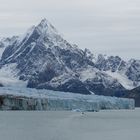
x=42 y=59
x=127 y=73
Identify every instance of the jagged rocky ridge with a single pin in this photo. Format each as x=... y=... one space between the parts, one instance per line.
x=43 y=59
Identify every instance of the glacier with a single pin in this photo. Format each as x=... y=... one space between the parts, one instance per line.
x=12 y=98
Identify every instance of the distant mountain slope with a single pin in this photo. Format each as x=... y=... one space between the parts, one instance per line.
x=43 y=59
x=5 y=42
x=135 y=94
x=127 y=73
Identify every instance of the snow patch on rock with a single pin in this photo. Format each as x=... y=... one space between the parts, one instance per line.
x=122 y=79
x=8 y=76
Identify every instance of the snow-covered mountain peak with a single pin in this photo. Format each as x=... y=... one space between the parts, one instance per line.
x=44 y=22
x=45 y=27
x=39 y=33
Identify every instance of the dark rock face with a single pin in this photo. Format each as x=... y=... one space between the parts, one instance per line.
x=1 y=85
x=72 y=85
x=134 y=94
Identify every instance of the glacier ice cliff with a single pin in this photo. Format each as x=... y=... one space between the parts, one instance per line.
x=32 y=99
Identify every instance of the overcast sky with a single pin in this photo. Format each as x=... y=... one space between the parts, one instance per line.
x=110 y=27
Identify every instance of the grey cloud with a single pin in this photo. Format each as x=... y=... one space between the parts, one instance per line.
x=104 y=26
